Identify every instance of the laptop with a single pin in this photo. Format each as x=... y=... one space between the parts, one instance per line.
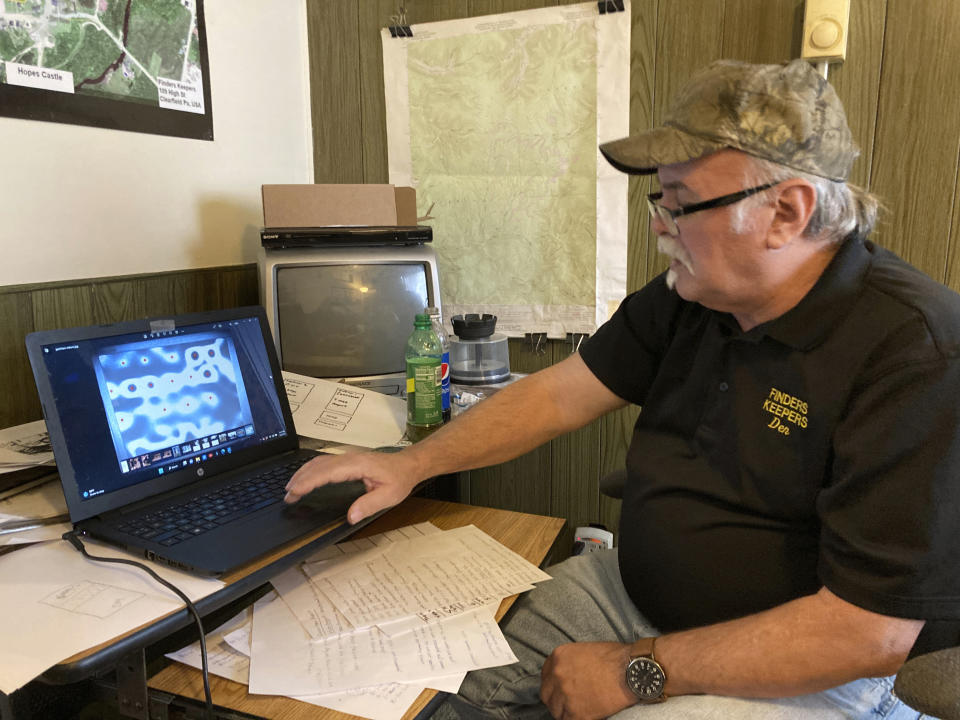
x=173 y=438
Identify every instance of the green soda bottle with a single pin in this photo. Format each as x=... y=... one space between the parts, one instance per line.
x=424 y=380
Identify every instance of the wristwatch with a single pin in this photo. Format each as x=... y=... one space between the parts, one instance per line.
x=645 y=676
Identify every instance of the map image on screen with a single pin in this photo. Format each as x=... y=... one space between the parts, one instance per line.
x=165 y=398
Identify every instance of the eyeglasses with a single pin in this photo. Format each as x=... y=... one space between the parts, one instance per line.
x=668 y=216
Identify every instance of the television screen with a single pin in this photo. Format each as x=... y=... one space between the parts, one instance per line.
x=346 y=320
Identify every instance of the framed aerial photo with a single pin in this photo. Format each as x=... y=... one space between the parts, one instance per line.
x=138 y=65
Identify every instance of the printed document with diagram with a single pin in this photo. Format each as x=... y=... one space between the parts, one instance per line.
x=66 y=603
x=344 y=414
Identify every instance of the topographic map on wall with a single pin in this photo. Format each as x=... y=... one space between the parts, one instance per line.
x=136 y=65
x=495 y=121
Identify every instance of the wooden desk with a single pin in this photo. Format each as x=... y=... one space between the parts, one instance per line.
x=530 y=536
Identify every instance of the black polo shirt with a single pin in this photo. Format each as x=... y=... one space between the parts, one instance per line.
x=821 y=448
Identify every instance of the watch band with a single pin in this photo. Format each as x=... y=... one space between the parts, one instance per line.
x=644 y=647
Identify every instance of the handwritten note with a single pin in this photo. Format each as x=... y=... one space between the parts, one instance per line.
x=314 y=609
x=228 y=655
x=318 y=615
x=429 y=578
x=302 y=644
x=285 y=661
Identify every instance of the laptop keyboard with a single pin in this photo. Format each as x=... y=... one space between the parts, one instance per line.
x=171 y=525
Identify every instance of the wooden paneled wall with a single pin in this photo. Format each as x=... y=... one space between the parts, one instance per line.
x=899 y=85
x=26 y=308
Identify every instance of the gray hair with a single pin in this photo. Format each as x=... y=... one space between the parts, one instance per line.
x=841 y=207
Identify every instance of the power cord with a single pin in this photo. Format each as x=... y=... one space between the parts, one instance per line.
x=74 y=540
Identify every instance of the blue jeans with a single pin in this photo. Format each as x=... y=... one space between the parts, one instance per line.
x=869 y=698
x=586 y=601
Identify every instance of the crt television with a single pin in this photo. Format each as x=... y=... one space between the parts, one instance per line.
x=345 y=313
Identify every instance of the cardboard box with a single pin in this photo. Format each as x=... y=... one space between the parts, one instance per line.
x=325 y=205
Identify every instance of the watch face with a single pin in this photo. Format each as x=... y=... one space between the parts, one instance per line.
x=645 y=677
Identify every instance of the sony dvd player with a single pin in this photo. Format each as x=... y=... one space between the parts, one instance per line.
x=274 y=238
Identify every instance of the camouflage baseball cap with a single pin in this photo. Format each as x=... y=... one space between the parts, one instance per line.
x=785 y=113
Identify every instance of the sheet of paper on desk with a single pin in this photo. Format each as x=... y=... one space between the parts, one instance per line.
x=239 y=639
x=313 y=609
x=24 y=446
x=285 y=661
x=223 y=658
x=340 y=413
x=431 y=578
x=316 y=614
x=65 y=603
x=377 y=701
x=43 y=501
x=228 y=651
x=391 y=536
x=37 y=534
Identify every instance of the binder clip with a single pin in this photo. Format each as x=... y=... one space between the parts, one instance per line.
x=576 y=339
x=398 y=24
x=609 y=6
x=537 y=342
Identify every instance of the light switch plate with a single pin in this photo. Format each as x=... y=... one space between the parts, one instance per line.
x=826 y=26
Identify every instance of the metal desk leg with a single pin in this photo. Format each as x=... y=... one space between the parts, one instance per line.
x=6 y=711
x=160 y=705
x=132 y=686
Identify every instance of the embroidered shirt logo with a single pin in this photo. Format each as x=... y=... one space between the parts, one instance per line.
x=786 y=410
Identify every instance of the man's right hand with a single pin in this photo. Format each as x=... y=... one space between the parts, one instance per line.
x=388 y=477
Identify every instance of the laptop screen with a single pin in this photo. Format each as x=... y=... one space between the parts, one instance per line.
x=165 y=400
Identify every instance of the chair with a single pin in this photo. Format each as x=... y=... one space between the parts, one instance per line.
x=931 y=683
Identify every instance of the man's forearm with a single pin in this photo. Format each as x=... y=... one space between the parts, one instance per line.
x=515 y=420
x=804 y=646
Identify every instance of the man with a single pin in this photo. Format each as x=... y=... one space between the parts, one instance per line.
x=790 y=516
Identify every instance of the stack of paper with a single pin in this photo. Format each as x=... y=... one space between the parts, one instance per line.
x=228 y=655
x=25 y=446
x=365 y=626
